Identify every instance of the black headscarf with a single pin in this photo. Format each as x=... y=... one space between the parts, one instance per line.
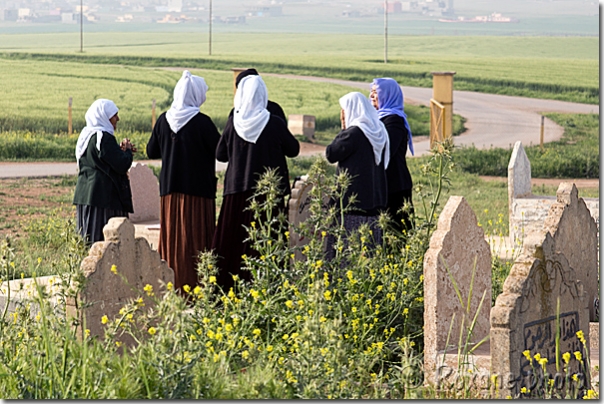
x=245 y=73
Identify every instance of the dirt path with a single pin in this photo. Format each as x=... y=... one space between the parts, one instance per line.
x=579 y=182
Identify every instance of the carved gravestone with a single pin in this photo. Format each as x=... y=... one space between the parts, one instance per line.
x=519 y=185
x=145 y=194
x=459 y=245
x=575 y=234
x=105 y=292
x=299 y=204
x=541 y=295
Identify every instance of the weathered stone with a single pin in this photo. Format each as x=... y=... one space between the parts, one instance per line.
x=575 y=234
x=541 y=291
x=457 y=248
x=302 y=125
x=145 y=194
x=527 y=212
x=105 y=292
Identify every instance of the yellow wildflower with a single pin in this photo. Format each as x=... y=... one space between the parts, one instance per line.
x=104 y=320
x=170 y=286
x=113 y=267
x=566 y=357
x=152 y=330
x=578 y=355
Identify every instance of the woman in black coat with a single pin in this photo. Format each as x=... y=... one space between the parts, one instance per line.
x=362 y=149
x=103 y=188
x=185 y=140
x=387 y=98
x=253 y=141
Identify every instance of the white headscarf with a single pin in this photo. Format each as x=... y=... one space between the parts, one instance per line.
x=359 y=112
x=251 y=115
x=189 y=94
x=97 y=121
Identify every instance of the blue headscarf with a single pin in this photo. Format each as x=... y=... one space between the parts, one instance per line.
x=390 y=102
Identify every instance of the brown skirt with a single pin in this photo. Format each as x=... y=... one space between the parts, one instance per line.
x=187 y=227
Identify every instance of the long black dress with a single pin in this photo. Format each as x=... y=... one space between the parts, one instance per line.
x=400 y=184
x=246 y=163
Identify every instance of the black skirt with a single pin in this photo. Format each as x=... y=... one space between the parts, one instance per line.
x=91 y=220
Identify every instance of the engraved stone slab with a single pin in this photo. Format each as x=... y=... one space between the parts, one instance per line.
x=541 y=295
x=145 y=193
x=302 y=125
x=105 y=292
x=575 y=234
x=457 y=244
x=299 y=204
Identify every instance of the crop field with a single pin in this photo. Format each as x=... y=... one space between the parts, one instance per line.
x=564 y=68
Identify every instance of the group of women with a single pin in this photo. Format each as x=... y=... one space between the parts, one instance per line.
x=371 y=146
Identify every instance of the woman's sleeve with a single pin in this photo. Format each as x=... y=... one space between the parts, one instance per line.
x=341 y=147
x=153 y=149
x=222 y=152
x=291 y=146
x=111 y=153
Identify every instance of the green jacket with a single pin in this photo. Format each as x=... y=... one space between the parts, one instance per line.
x=103 y=177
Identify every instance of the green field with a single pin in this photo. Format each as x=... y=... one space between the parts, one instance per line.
x=565 y=68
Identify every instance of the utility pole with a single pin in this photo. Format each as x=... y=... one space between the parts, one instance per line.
x=210 y=37
x=81 y=25
x=385 y=32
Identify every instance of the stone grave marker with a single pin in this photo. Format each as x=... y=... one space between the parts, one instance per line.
x=302 y=125
x=105 y=293
x=299 y=204
x=541 y=295
x=457 y=244
x=575 y=234
x=145 y=193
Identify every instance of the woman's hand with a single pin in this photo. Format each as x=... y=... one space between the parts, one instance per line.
x=127 y=145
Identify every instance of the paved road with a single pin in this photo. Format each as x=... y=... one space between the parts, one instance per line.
x=491 y=120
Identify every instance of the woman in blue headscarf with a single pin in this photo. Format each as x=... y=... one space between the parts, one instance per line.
x=387 y=98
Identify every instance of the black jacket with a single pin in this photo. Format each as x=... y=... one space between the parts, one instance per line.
x=248 y=161
x=103 y=176
x=397 y=172
x=353 y=152
x=188 y=163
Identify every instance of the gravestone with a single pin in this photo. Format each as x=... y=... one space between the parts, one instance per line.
x=457 y=244
x=105 y=292
x=299 y=204
x=541 y=295
x=575 y=234
x=302 y=125
x=145 y=194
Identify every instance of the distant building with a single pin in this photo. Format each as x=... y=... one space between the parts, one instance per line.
x=68 y=18
x=394 y=7
x=124 y=18
x=351 y=14
x=267 y=11
x=9 y=14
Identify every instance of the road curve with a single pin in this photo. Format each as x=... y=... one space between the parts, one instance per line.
x=491 y=120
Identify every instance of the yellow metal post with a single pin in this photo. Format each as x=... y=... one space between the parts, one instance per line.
x=442 y=92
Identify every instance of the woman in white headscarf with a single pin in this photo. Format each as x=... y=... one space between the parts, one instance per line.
x=185 y=139
x=103 y=189
x=362 y=149
x=253 y=140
